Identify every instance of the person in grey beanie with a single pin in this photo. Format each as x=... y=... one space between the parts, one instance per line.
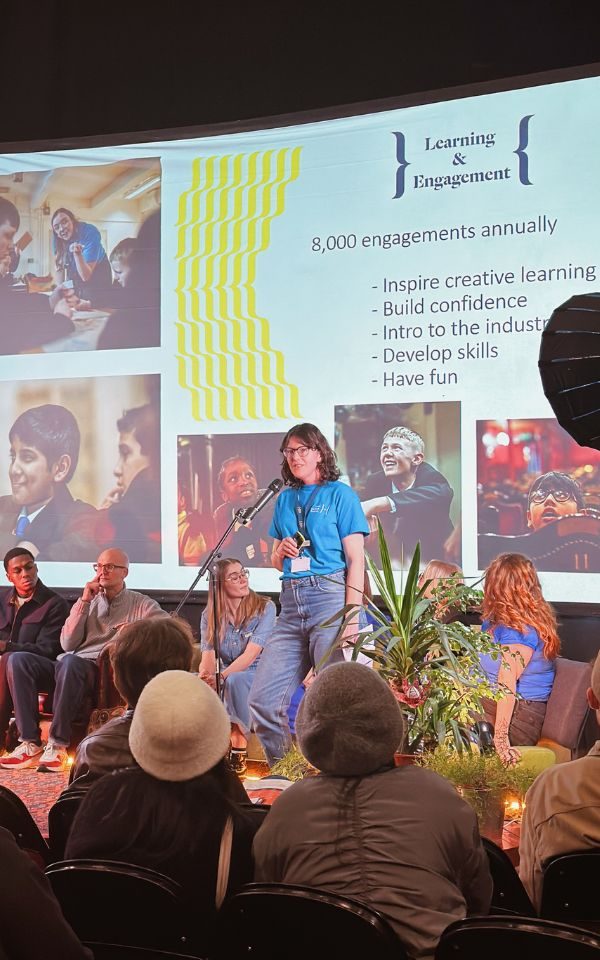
x=400 y=839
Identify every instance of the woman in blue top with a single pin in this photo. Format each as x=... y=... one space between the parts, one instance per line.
x=80 y=259
x=524 y=624
x=318 y=529
x=246 y=622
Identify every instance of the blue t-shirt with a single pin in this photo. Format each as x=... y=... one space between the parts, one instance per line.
x=93 y=252
x=335 y=513
x=535 y=683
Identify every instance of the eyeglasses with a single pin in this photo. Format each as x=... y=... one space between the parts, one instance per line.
x=108 y=567
x=539 y=496
x=300 y=451
x=236 y=577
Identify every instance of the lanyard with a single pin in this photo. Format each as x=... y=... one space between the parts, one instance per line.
x=303 y=511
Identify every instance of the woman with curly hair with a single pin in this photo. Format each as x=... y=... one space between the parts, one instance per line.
x=524 y=625
x=319 y=529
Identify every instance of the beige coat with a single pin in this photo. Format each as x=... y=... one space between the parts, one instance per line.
x=562 y=815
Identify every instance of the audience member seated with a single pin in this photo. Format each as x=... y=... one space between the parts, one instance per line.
x=104 y=606
x=245 y=623
x=524 y=624
x=562 y=809
x=31 y=921
x=41 y=515
x=31 y=618
x=130 y=514
x=400 y=839
x=173 y=813
x=140 y=651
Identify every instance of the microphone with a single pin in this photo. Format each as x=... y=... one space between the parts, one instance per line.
x=247 y=515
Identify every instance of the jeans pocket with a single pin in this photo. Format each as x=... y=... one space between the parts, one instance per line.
x=332 y=583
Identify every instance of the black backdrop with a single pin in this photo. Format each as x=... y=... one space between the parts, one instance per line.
x=76 y=68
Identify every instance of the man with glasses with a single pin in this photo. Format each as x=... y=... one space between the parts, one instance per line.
x=104 y=606
x=31 y=618
x=551 y=496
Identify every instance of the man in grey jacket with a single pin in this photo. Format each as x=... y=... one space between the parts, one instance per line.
x=104 y=606
x=400 y=839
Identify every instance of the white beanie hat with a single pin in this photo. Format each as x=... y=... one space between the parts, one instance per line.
x=180 y=728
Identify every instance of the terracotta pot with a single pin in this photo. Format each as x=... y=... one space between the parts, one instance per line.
x=404 y=759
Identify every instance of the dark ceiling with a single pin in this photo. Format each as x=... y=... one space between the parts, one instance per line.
x=76 y=68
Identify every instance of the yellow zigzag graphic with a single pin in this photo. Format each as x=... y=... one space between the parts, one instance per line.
x=225 y=358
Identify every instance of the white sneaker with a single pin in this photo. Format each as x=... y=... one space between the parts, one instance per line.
x=53 y=759
x=27 y=754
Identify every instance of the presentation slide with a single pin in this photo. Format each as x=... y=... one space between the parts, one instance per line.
x=171 y=308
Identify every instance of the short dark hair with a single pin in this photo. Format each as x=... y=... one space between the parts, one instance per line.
x=225 y=464
x=123 y=249
x=9 y=213
x=16 y=552
x=146 y=648
x=51 y=429
x=143 y=423
x=554 y=480
x=312 y=437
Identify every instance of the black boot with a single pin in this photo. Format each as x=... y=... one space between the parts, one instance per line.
x=237 y=758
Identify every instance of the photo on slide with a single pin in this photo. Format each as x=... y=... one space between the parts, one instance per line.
x=538 y=494
x=216 y=476
x=80 y=468
x=80 y=258
x=403 y=460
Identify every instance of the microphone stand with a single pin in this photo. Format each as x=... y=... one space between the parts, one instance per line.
x=209 y=565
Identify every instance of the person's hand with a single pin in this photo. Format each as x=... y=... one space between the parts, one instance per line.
x=76 y=249
x=288 y=548
x=91 y=590
x=5 y=263
x=113 y=496
x=208 y=678
x=374 y=506
x=509 y=755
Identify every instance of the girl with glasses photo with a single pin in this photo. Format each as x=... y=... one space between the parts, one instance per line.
x=319 y=529
x=246 y=621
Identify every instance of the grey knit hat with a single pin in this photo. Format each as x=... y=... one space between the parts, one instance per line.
x=349 y=723
x=180 y=728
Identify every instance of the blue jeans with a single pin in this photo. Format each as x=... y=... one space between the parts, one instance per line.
x=69 y=678
x=300 y=641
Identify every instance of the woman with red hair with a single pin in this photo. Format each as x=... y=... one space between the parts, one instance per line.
x=524 y=625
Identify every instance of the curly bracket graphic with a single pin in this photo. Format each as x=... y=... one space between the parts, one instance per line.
x=521 y=150
x=402 y=163
x=225 y=359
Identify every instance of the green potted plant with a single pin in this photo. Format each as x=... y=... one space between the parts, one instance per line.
x=431 y=661
x=490 y=787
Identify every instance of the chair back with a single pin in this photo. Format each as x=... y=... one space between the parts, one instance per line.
x=567 y=708
x=509 y=894
x=120 y=951
x=113 y=902
x=60 y=818
x=497 y=938
x=570 y=889
x=271 y=920
x=15 y=817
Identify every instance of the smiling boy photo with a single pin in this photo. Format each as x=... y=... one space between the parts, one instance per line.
x=40 y=514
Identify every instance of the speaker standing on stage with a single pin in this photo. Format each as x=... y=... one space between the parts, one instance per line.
x=319 y=577
x=246 y=622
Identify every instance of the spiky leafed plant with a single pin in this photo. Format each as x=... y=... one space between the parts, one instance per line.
x=432 y=666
